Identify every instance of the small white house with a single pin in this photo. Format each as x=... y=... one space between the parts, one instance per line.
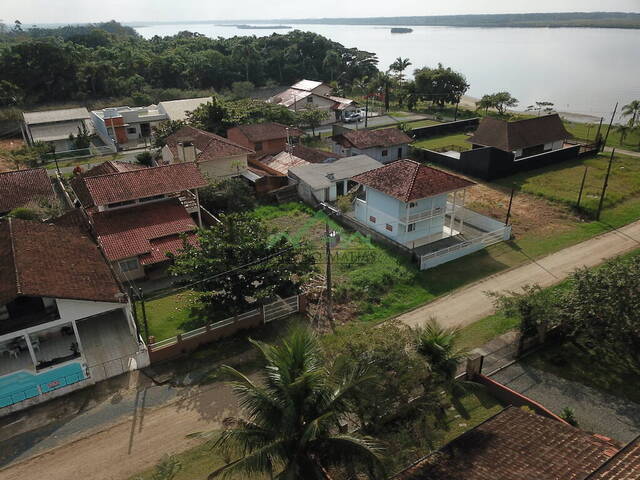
x=55 y=126
x=385 y=145
x=325 y=182
x=422 y=209
x=126 y=127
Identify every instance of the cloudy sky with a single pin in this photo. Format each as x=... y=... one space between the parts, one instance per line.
x=69 y=11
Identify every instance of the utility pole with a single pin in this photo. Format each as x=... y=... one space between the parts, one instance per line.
x=55 y=159
x=366 y=111
x=144 y=316
x=455 y=115
x=604 y=143
x=584 y=178
x=513 y=191
x=604 y=185
x=328 y=275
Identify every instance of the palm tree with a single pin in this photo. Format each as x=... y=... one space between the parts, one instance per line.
x=292 y=427
x=438 y=345
x=332 y=62
x=246 y=52
x=399 y=66
x=623 y=130
x=633 y=110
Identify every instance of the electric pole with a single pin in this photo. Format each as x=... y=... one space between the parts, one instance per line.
x=584 y=178
x=604 y=144
x=604 y=185
x=328 y=275
x=513 y=191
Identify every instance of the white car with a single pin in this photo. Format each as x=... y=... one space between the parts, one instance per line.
x=351 y=117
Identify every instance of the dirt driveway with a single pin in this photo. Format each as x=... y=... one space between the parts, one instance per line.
x=6 y=145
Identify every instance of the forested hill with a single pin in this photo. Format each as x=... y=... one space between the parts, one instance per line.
x=569 y=19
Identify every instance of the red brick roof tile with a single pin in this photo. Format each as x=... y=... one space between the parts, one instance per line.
x=623 y=466
x=19 y=187
x=408 y=180
x=209 y=146
x=128 y=232
x=260 y=132
x=313 y=155
x=136 y=184
x=38 y=259
x=112 y=167
x=362 y=139
x=515 y=445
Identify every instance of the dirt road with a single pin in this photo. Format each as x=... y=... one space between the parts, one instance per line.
x=471 y=303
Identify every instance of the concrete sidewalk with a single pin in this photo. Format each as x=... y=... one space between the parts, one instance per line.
x=470 y=304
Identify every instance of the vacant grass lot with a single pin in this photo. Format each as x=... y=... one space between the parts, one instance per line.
x=561 y=183
x=169 y=315
x=587 y=132
x=443 y=143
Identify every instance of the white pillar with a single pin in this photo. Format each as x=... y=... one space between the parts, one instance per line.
x=31 y=351
x=198 y=205
x=75 y=331
x=463 y=216
x=453 y=214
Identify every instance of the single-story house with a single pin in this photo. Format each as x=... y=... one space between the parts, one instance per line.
x=216 y=156
x=309 y=92
x=325 y=182
x=313 y=155
x=385 y=145
x=123 y=128
x=140 y=215
x=65 y=322
x=422 y=210
x=281 y=162
x=523 y=138
x=265 y=138
x=178 y=109
x=517 y=445
x=20 y=188
x=55 y=126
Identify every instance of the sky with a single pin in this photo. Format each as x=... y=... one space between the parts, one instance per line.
x=78 y=11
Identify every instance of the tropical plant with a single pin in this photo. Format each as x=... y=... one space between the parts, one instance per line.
x=228 y=195
x=292 y=427
x=438 y=345
x=165 y=129
x=312 y=116
x=145 y=158
x=632 y=110
x=623 y=131
x=440 y=85
x=569 y=416
x=398 y=66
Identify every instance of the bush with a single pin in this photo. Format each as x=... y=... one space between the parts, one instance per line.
x=569 y=416
x=229 y=195
x=24 y=213
x=145 y=158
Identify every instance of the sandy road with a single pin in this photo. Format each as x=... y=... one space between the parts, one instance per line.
x=471 y=303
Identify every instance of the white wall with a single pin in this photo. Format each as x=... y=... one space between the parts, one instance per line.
x=77 y=309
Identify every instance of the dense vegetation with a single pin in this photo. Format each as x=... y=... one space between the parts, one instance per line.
x=108 y=60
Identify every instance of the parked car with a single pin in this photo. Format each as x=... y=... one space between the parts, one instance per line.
x=351 y=117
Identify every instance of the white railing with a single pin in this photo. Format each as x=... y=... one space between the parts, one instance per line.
x=482 y=240
x=424 y=215
x=270 y=312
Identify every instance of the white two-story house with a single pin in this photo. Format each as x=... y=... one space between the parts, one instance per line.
x=422 y=209
x=65 y=322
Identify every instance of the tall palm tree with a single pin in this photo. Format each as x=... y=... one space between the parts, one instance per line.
x=292 y=426
x=623 y=130
x=633 y=110
x=399 y=66
x=438 y=345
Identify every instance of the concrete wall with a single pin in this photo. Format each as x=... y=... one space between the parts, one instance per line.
x=270 y=147
x=446 y=128
x=77 y=309
x=224 y=167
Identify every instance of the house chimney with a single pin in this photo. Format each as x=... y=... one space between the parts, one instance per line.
x=181 y=151
x=189 y=152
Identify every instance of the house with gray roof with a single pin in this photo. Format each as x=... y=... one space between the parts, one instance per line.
x=55 y=126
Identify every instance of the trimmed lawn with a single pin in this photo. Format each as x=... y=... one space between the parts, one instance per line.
x=482 y=331
x=587 y=132
x=422 y=123
x=443 y=143
x=167 y=316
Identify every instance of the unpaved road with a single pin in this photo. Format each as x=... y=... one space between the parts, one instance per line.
x=471 y=303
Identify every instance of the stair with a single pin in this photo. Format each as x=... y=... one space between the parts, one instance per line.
x=286 y=194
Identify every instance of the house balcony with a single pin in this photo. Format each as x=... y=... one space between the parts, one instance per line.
x=21 y=321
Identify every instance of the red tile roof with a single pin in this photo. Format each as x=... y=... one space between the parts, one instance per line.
x=408 y=180
x=209 y=146
x=624 y=466
x=259 y=132
x=313 y=155
x=112 y=167
x=362 y=139
x=511 y=136
x=129 y=232
x=38 y=259
x=136 y=184
x=515 y=445
x=19 y=187
x=161 y=246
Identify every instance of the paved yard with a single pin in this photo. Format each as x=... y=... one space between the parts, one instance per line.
x=596 y=411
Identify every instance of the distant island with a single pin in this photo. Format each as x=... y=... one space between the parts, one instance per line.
x=263 y=27
x=401 y=30
x=522 y=20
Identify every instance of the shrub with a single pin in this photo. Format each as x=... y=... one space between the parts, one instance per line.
x=569 y=416
x=24 y=213
x=145 y=158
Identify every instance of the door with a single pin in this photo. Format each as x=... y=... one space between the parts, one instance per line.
x=340 y=189
x=399 y=153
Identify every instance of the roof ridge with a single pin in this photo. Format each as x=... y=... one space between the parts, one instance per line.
x=144 y=169
x=13 y=254
x=413 y=180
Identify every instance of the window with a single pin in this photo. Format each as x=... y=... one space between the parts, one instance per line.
x=128 y=265
x=258 y=146
x=411 y=227
x=121 y=204
x=399 y=153
x=150 y=199
x=412 y=204
x=389 y=227
x=385 y=153
x=309 y=99
x=132 y=130
x=372 y=219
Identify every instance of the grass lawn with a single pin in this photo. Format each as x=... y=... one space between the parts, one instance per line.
x=482 y=331
x=443 y=143
x=561 y=182
x=422 y=123
x=167 y=316
x=587 y=131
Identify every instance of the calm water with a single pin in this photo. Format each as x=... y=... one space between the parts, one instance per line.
x=581 y=70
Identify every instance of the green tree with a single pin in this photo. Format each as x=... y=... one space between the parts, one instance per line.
x=229 y=195
x=501 y=101
x=237 y=263
x=165 y=129
x=632 y=110
x=332 y=62
x=145 y=158
x=398 y=66
x=246 y=52
x=312 y=116
x=440 y=85
x=293 y=418
x=242 y=89
x=82 y=140
x=623 y=131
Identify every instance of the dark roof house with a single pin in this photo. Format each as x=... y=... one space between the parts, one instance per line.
x=516 y=445
x=408 y=180
x=19 y=187
x=260 y=132
x=518 y=135
x=71 y=266
x=313 y=155
x=209 y=146
x=364 y=139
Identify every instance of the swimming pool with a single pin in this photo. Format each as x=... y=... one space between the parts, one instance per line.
x=20 y=386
